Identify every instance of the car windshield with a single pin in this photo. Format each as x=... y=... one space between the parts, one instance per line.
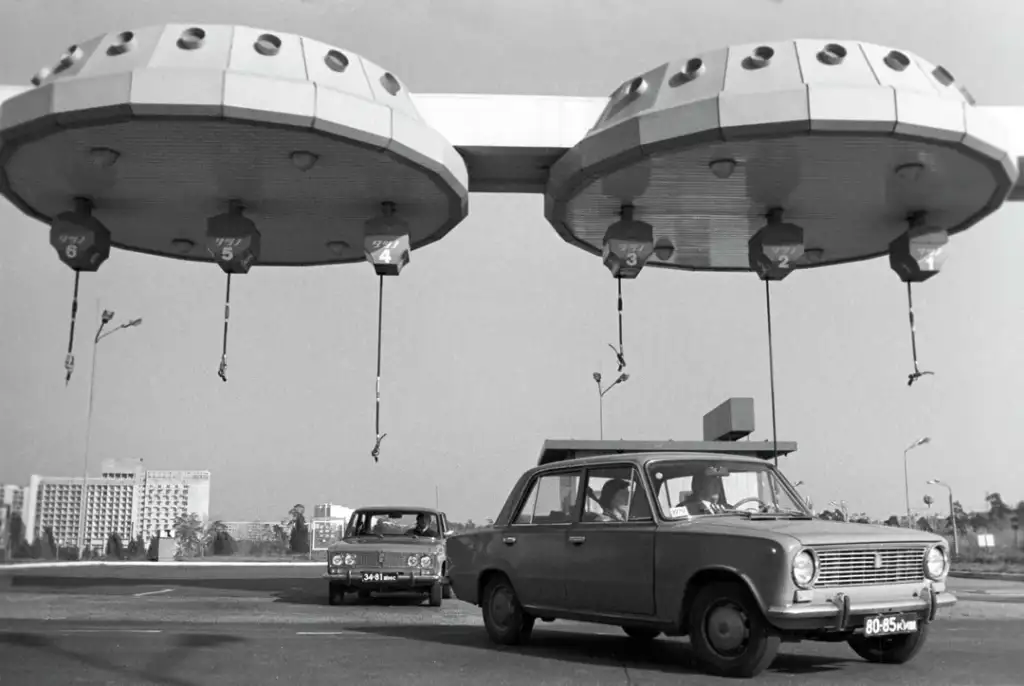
x=714 y=486
x=380 y=523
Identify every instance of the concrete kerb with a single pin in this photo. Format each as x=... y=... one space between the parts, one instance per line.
x=989 y=576
x=15 y=568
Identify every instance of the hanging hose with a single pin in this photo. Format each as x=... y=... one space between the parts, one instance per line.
x=620 y=354
x=222 y=371
x=913 y=339
x=69 y=361
x=771 y=369
x=375 y=453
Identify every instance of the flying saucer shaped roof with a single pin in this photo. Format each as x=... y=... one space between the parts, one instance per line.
x=161 y=127
x=848 y=139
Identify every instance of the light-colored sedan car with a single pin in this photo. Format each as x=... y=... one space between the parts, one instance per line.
x=717 y=547
x=390 y=550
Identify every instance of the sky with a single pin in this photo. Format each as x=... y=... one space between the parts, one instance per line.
x=491 y=336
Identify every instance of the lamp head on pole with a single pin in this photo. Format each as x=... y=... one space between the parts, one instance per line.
x=107 y=316
x=597 y=377
x=921 y=441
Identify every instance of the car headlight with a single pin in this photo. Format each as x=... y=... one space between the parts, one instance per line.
x=805 y=567
x=337 y=560
x=350 y=559
x=413 y=561
x=936 y=563
x=426 y=561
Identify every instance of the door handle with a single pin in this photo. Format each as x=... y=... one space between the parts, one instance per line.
x=577 y=540
x=509 y=540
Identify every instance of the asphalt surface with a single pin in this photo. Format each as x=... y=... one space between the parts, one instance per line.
x=108 y=626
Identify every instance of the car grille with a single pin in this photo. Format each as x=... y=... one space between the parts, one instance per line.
x=372 y=559
x=870 y=566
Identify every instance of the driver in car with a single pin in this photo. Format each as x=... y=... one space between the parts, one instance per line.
x=707 y=495
x=422 y=527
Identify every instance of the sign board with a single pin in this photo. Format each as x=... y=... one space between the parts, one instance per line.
x=986 y=541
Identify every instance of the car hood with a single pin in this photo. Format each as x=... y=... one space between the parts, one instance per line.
x=388 y=544
x=810 y=531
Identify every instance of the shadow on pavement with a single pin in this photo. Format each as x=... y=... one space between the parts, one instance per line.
x=296 y=591
x=663 y=655
x=157 y=671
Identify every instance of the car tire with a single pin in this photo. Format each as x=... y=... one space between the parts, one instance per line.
x=436 y=594
x=446 y=591
x=504 y=618
x=336 y=594
x=641 y=633
x=728 y=632
x=891 y=650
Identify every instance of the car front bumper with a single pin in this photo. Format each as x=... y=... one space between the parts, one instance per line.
x=353 y=578
x=846 y=609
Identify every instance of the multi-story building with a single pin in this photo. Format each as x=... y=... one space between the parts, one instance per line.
x=126 y=500
x=246 y=531
x=13 y=497
x=168 y=494
x=56 y=502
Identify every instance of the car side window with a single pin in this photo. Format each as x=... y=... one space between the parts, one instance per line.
x=615 y=494
x=551 y=500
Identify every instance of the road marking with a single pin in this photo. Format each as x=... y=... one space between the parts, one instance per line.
x=139 y=595
x=321 y=633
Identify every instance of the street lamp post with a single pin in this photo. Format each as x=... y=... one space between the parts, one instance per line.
x=952 y=515
x=105 y=317
x=906 y=478
x=602 y=392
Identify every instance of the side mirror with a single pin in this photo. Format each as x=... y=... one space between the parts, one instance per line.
x=448 y=533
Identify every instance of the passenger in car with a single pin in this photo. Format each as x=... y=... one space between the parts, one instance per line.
x=614 y=501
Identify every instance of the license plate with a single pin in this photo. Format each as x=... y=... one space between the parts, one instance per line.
x=888 y=625
x=379 y=577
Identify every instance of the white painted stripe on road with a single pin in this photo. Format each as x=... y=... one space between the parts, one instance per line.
x=139 y=595
x=321 y=633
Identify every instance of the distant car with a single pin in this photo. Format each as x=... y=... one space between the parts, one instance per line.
x=718 y=547
x=390 y=550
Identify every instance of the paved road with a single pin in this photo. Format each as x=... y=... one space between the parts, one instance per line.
x=185 y=631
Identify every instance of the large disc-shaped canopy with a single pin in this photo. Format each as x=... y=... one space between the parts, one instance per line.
x=162 y=127
x=848 y=139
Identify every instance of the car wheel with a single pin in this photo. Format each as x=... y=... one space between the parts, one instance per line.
x=504 y=618
x=336 y=594
x=641 y=633
x=436 y=594
x=446 y=591
x=728 y=633
x=890 y=650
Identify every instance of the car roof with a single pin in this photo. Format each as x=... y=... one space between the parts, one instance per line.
x=559 y=450
x=397 y=508
x=640 y=458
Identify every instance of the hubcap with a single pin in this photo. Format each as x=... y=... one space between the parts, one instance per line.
x=727 y=629
x=501 y=606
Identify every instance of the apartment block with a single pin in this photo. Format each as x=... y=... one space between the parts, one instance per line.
x=13 y=497
x=126 y=499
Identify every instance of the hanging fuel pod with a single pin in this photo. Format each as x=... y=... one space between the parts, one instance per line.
x=628 y=244
x=234 y=242
x=386 y=245
x=774 y=251
x=916 y=256
x=82 y=242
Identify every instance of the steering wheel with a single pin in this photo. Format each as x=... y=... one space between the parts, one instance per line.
x=763 y=505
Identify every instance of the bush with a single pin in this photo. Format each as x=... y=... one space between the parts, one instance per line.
x=115 y=549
